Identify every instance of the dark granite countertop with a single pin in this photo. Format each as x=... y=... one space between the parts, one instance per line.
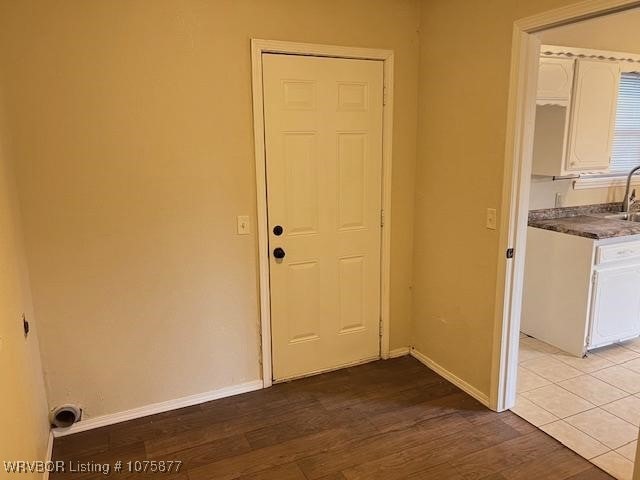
x=585 y=221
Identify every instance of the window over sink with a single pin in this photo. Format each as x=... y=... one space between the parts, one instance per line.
x=625 y=152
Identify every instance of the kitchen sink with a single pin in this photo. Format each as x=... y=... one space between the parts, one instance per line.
x=629 y=217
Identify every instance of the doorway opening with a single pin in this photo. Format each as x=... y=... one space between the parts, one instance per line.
x=572 y=290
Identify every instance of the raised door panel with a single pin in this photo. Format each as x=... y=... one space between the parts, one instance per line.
x=593 y=115
x=352 y=282
x=555 y=79
x=301 y=182
x=352 y=164
x=303 y=302
x=616 y=306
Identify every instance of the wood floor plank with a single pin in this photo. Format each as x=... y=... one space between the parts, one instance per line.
x=286 y=452
x=241 y=424
x=90 y=442
x=594 y=473
x=121 y=434
x=300 y=425
x=229 y=447
x=109 y=457
x=333 y=476
x=381 y=445
x=288 y=471
x=435 y=452
x=557 y=465
x=406 y=416
x=443 y=471
x=386 y=420
x=533 y=446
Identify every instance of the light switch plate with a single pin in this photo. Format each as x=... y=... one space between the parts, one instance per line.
x=244 y=227
x=492 y=219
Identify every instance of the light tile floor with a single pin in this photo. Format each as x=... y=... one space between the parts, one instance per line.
x=591 y=405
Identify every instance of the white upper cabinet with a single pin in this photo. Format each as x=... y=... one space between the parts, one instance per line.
x=555 y=80
x=553 y=100
x=575 y=115
x=593 y=115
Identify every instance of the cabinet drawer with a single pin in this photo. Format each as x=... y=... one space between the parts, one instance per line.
x=620 y=251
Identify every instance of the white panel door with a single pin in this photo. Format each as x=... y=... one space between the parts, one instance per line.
x=323 y=138
x=615 y=312
x=593 y=115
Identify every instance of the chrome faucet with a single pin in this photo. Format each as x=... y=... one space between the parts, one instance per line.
x=625 y=201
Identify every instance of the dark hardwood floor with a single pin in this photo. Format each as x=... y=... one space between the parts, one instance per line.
x=386 y=420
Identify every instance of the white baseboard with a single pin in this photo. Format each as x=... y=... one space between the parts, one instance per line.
x=399 y=352
x=154 y=408
x=48 y=454
x=457 y=381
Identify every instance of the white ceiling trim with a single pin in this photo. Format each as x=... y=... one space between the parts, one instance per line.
x=558 y=51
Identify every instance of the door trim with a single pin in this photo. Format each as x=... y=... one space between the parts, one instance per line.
x=258 y=47
x=516 y=184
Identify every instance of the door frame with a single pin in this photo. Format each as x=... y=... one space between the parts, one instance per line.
x=258 y=47
x=516 y=184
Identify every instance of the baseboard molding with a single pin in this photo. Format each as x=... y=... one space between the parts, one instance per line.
x=457 y=381
x=154 y=408
x=48 y=454
x=399 y=352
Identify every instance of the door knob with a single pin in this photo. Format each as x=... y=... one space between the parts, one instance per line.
x=279 y=253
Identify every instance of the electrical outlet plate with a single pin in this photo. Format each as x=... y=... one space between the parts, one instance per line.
x=244 y=227
x=492 y=219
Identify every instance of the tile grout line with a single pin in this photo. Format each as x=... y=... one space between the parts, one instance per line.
x=617 y=416
x=608 y=383
x=581 y=375
x=545 y=354
x=583 y=411
x=590 y=374
x=563 y=419
x=586 y=399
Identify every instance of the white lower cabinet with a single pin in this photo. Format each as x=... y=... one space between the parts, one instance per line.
x=615 y=309
x=579 y=293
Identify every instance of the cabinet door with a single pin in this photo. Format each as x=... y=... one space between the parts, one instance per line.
x=593 y=114
x=555 y=79
x=615 y=313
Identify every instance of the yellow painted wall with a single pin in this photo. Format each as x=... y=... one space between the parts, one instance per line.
x=24 y=427
x=132 y=126
x=464 y=80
